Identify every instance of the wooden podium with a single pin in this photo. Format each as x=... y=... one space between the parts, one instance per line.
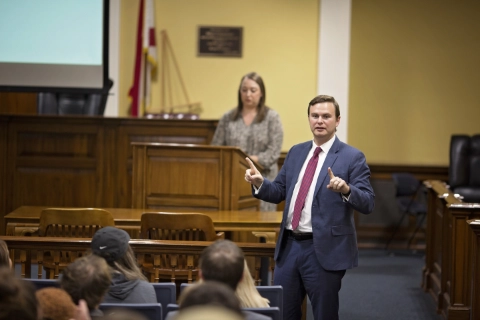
x=179 y=177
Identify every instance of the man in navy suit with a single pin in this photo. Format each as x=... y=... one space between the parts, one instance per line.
x=317 y=240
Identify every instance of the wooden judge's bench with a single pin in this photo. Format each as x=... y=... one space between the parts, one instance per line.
x=73 y=161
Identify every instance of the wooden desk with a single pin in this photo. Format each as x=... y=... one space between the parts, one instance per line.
x=255 y=221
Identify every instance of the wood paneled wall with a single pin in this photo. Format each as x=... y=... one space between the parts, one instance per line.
x=18 y=102
x=79 y=161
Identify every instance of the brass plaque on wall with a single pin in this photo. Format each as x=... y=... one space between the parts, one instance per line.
x=220 y=41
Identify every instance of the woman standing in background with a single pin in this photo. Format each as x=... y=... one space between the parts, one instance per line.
x=254 y=128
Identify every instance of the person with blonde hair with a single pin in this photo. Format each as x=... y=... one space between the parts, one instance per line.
x=4 y=255
x=247 y=293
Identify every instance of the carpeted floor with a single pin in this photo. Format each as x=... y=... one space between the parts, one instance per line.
x=386 y=285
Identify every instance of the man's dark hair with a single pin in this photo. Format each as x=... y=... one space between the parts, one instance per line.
x=211 y=293
x=325 y=98
x=222 y=261
x=87 y=278
x=17 y=297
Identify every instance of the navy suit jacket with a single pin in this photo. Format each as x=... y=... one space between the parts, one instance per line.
x=334 y=235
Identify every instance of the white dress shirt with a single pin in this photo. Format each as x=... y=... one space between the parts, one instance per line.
x=305 y=224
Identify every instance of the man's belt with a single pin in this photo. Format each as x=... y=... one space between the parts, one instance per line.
x=299 y=236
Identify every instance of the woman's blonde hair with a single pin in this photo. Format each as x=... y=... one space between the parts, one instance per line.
x=4 y=255
x=248 y=294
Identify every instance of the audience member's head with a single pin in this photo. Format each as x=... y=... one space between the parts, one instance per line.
x=208 y=313
x=222 y=261
x=55 y=304
x=4 y=255
x=209 y=293
x=87 y=278
x=112 y=244
x=17 y=297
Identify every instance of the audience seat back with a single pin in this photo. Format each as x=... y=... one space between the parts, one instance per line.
x=166 y=293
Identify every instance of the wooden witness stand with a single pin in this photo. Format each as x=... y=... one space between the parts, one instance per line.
x=190 y=177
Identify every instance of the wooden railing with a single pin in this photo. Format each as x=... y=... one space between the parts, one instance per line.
x=29 y=250
x=475 y=267
x=447 y=274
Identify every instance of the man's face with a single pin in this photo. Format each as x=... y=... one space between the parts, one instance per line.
x=322 y=121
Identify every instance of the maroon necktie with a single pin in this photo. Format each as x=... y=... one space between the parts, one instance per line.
x=304 y=187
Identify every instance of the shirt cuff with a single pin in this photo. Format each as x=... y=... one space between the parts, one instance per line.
x=255 y=188
x=346 y=197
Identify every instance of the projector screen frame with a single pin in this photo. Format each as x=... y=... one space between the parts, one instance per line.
x=84 y=90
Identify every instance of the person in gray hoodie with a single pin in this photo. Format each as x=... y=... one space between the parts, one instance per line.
x=128 y=284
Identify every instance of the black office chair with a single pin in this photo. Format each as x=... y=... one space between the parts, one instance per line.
x=409 y=199
x=73 y=103
x=464 y=168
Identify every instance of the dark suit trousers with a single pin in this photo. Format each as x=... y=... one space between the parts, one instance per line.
x=299 y=272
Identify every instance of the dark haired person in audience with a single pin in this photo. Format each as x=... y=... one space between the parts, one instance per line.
x=223 y=261
x=210 y=293
x=128 y=284
x=245 y=290
x=87 y=278
x=4 y=255
x=17 y=297
x=322 y=182
x=254 y=128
